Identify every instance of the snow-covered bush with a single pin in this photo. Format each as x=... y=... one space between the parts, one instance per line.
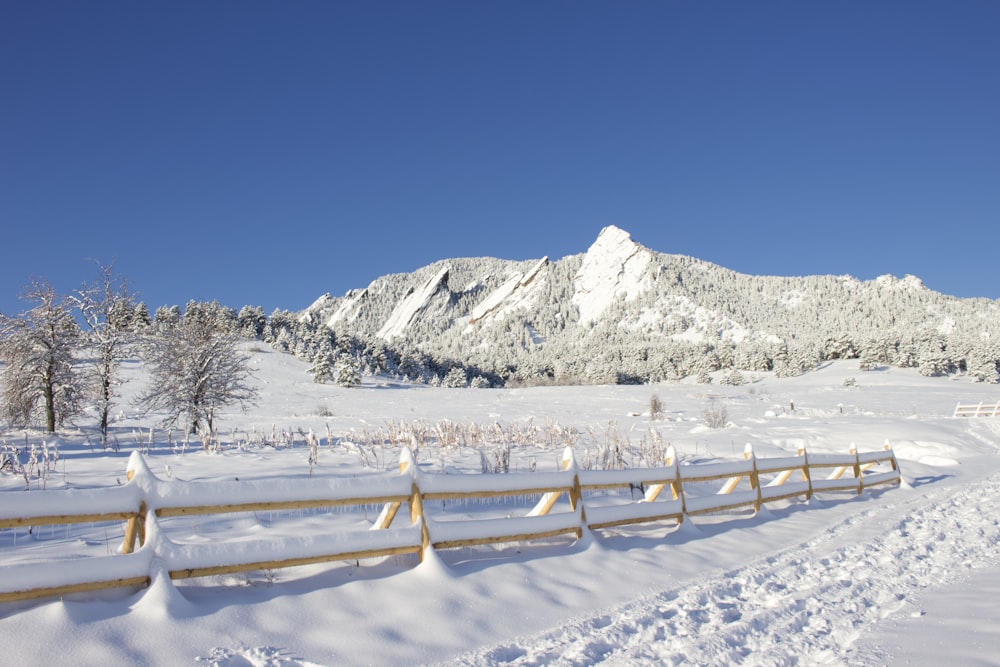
x=716 y=415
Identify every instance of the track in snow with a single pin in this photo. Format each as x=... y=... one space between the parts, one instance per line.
x=804 y=605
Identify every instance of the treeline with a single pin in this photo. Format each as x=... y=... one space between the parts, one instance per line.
x=61 y=358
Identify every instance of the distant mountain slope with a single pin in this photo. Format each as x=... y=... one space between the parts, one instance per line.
x=623 y=312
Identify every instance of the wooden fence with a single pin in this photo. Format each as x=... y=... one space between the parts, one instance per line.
x=747 y=483
x=977 y=410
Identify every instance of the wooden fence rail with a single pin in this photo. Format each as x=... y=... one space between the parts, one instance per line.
x=145 y=499
x=977 y=410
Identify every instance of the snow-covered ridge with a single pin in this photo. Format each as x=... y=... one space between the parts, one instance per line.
x=348 y=307
x=412 y=305
x=511 y=295
x=614 y=267
x=906 y=282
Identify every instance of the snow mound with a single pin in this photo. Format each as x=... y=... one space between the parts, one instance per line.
x=928 y=453
x=263 y=656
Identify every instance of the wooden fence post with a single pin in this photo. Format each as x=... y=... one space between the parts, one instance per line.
x=754 y=477
x=548 y=501
x=857 y=468
x=892 y=459
x=806 y=474
x=576 y=492
x=677 y=486
x=417 y=514
x=135 y=527
x=389 y=510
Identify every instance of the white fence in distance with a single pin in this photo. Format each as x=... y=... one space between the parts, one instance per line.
x=747 y=483
x=977 y=410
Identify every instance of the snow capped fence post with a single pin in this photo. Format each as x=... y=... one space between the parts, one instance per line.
x=135 y=528
x=676 y=485
x=576 y=492
x=407 y=464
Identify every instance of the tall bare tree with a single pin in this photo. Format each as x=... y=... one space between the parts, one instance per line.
x=107 y=306
x=196 y=370
x=37 y=350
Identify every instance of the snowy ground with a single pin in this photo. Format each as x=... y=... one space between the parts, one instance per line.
x=895 y=576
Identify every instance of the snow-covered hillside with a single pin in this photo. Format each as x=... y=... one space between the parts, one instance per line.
x=891 y=576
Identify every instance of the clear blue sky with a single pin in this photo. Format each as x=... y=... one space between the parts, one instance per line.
x=266 y=152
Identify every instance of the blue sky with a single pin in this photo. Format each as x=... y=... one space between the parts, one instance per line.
x=266 y=152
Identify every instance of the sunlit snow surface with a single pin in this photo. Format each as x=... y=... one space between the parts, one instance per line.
x=891 y=577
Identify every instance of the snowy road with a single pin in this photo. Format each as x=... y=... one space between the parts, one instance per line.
x=804 y=605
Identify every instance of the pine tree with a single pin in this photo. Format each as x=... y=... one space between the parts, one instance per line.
x=455 y=378
x=733 y=378
x=140 y=317
x=323 y=369
x=250 y=322
x=167 y=316
x=348 y=371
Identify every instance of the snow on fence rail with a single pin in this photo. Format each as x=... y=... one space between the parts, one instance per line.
x=980 y=410
x=145 y=499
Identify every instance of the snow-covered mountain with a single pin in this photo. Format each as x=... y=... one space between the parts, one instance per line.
x=621 y=311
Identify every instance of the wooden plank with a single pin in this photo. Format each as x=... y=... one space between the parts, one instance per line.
x=278 y=506
x=189 y=573
x=657 y=481
x=134 y=529
x=65 y=519
x=722 y=508
x=462 y=495
x=69 y=589
x=675 y=516
x=521 y=537
x=389 y=512
x=731 y=485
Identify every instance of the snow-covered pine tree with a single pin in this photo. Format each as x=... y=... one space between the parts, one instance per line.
x=140 y=317
x=166 y=316
x=455 y=378
x=250 y=322
x=323 y=369
x=348 y=371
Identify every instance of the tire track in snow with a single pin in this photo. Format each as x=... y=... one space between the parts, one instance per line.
x=804 y=605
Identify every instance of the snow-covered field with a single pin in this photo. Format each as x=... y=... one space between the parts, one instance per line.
x=895 y=576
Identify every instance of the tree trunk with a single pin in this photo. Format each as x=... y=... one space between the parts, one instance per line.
x=50 y=408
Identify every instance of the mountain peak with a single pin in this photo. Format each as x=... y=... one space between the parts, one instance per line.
x=612 y=235
x=614 y=266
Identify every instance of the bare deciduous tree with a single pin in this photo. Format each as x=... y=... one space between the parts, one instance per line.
x=37 y=349
x=196 y=370
x=108 y=308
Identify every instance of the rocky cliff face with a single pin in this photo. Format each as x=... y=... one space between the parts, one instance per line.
x=614 y=268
